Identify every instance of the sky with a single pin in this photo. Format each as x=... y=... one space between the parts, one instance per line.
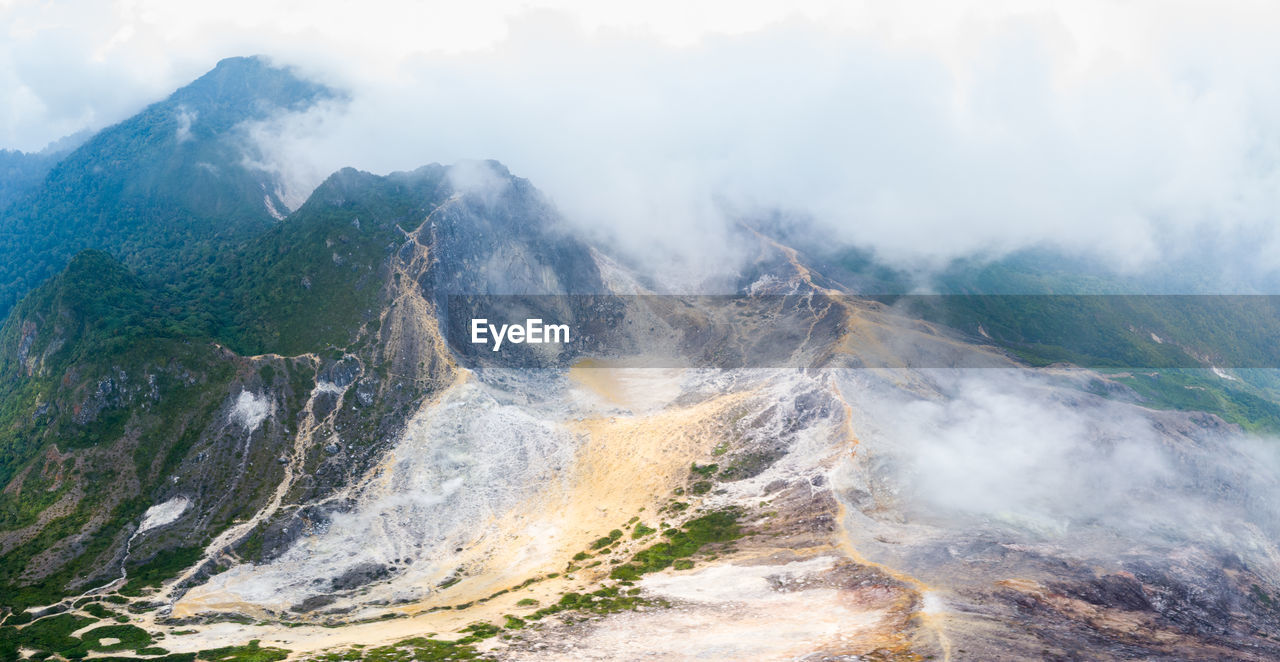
x=1134 y=132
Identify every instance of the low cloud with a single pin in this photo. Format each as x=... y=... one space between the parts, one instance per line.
x=185 y=118
x=883 y=145
x=1015 y=450
x=1134 y=133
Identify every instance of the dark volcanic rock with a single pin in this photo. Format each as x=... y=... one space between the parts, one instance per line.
x=365 y=573
x=313 y=603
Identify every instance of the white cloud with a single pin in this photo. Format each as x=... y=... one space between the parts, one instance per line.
x=251 y=409
x=1017 y=451
x=927 y=130
x=185 y=118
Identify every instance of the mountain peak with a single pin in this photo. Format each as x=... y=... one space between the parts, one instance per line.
x=238 y=89
x=175 y=174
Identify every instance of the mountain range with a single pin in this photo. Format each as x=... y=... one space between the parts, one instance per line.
x=231 y=430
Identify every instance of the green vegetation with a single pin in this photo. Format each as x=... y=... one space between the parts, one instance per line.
x=117 y=330
x=718 y=526
x=420 y=649
x=641 y=531
x=705 y=471
x=23 y=172
x=1246 y=402
x=164 y=204
x=165 y=565
x=1091 y=330
x=173 y=657
x=131 y=637
x=607 y=600
x=1045 y=307
x=95 y=609
x=478 y=631
x=113 y=332
x=312 y=283
x=605 y=541
x=18 y=618
x=251 y=652
x=1261 y=596
x=1175 y=336
x=53 y=634
x=9 y=645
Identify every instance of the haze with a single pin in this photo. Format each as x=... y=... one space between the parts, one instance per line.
x=1132 y=132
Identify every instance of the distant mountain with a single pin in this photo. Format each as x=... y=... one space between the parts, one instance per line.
x=20 y=172
x=164 y=190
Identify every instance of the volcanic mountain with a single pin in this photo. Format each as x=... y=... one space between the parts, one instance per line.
x=248 y=432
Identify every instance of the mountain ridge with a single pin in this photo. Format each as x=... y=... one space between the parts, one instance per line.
x=162 y=190
x=277 y=453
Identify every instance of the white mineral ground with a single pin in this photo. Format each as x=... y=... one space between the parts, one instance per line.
x=629 y=445
x=163 y=513
x=501 y=480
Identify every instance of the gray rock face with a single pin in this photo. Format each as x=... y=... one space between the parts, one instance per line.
x=365 y=573
x=341 y=373
x=505 y=238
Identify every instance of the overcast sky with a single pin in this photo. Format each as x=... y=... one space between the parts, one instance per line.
x=926 y=130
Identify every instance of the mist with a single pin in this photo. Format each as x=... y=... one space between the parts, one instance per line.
x=1026 y=455
x=1132 y=134
x=662 y=150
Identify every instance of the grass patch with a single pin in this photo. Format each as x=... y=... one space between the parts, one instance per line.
x=705 y=470
x=420 y=649
x=131 y=637
x=251 y=652
x=719 y=526
x=605 y=541
x=479 y=631
x=608 y=600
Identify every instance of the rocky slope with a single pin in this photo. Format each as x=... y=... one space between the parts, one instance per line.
x=289 y=454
